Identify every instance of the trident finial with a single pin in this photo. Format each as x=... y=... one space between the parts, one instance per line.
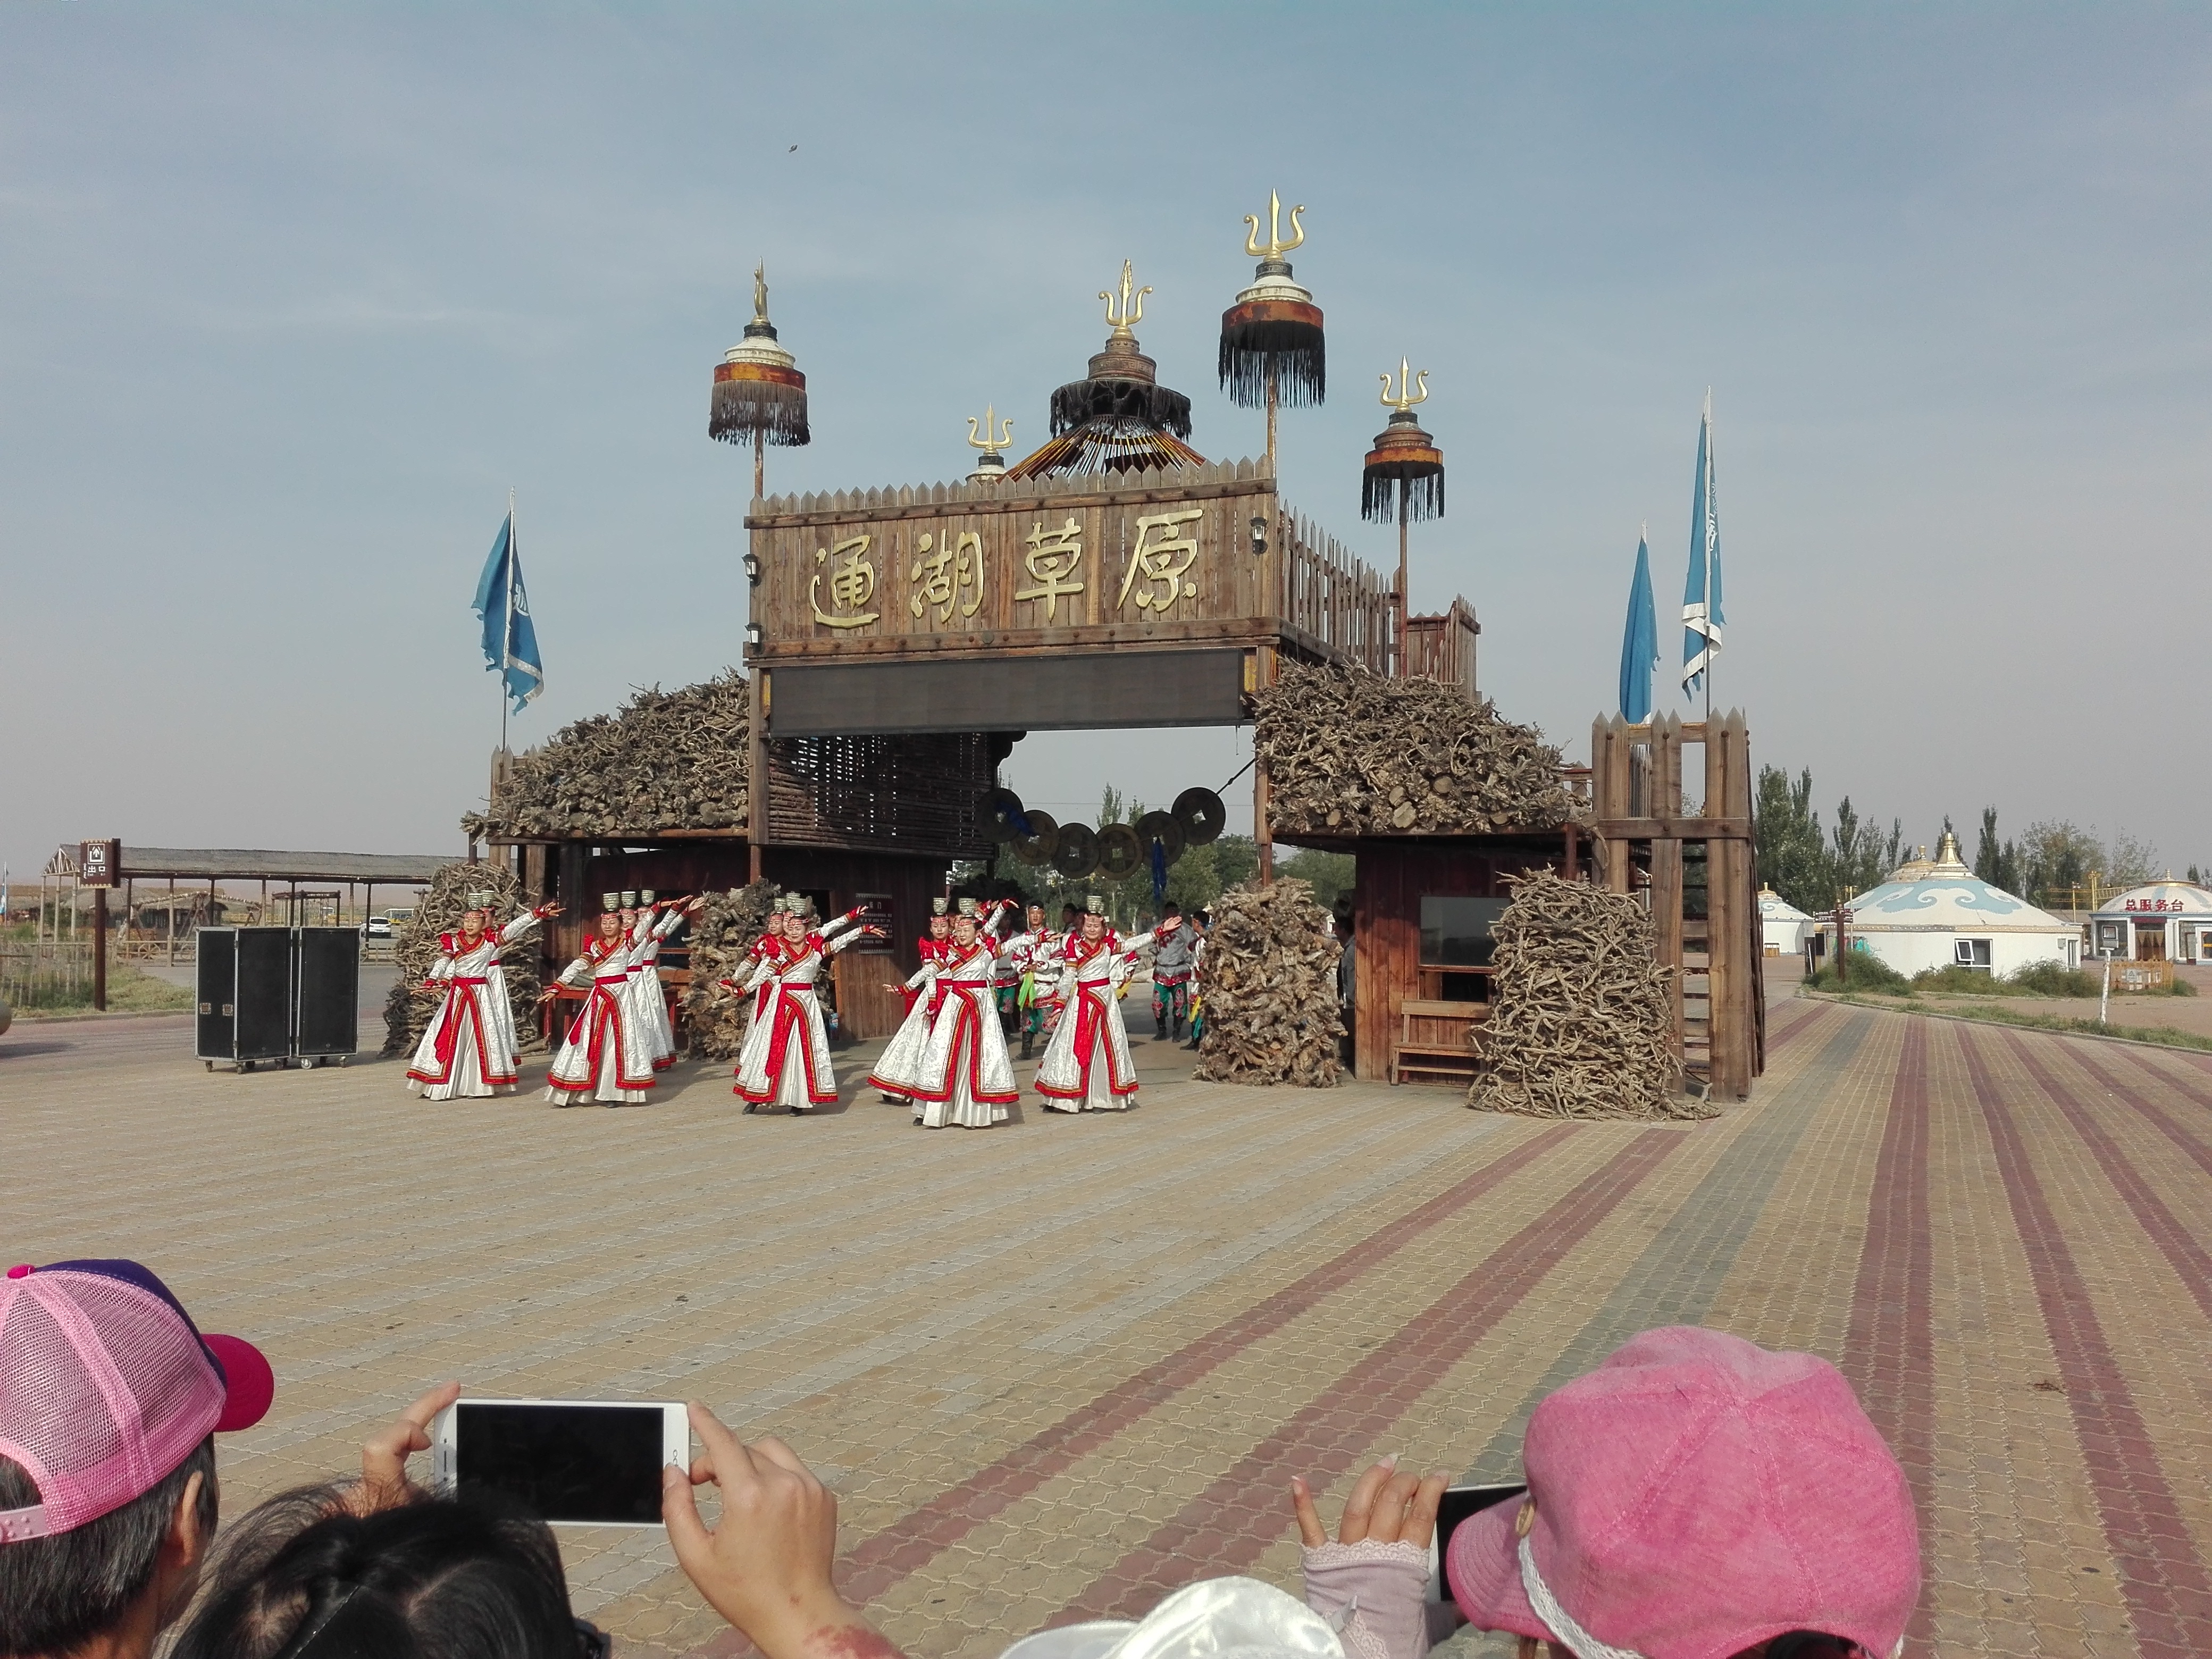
x=989 y=444
x=1133 y=303
x=1276 y=247
x=1412 y=387
x=760 y=292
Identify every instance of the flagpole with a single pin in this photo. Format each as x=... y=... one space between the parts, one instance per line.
x=507 y=630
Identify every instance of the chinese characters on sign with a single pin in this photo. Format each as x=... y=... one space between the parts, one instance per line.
x=1053 y=558
x=96 y=862
x=2156 y=904
x=1162 y=557
x=852 y=582
x=943 y=572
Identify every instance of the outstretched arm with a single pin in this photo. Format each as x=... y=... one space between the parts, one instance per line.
x=854 y=937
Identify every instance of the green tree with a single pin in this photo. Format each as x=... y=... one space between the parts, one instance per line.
x=1330 y=873
x=1792 y=857
x=2056 y=859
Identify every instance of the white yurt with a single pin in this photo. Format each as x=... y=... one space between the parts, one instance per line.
x=2166 y=921
x=1948 y=917
x=1782 y=923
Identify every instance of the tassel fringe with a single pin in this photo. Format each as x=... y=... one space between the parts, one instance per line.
x=1080 y=403
x=1378 y=501
x=1295 y=348
x=742 y=407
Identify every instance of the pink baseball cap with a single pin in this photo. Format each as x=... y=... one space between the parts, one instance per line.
x=106 y=1386
x=1695 y=1496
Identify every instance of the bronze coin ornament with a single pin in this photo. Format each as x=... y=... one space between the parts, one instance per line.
x=1076 y=854
x=1161 y=828
x=1036 y=848
x=1120 y=854
x=1003 y=815
x=1202 y=816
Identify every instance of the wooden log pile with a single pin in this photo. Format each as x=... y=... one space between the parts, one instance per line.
x=721 y=935
x=407 y=1011
x=1349 y=752
x=1581 y=1016
x=666 y=760
x=1269 y=982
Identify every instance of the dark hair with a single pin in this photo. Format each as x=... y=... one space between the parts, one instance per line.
x=432 y=1578
x=57 y=1594
x=1171 y=908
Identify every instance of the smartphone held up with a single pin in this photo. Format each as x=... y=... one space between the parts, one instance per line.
x=574 y=1462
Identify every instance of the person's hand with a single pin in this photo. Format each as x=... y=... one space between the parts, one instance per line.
x=1385 y=1507
x=549 y=910
x=547 y=995
x=765 y=1567
x=383 y=1454
x=697 y=905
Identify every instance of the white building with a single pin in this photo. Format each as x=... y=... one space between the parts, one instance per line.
x=1949 y=918
x=1782 y=922
x=2167 y=920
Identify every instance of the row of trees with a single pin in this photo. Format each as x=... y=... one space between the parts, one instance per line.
x=2047 y=863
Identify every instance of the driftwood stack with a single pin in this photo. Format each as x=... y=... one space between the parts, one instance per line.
x=1351 y=753
x=721 y=934
x=1581 y=1016
x=667 y=760
x=1270 y=990
x=407 y=1011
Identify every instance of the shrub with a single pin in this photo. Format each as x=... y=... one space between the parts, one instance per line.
x=1866 y=971
x=2050 y=979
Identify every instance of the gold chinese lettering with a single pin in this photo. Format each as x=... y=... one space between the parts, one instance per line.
x=852 y=584
x=949 y=575
x=1053 y=558
x=1162 y=557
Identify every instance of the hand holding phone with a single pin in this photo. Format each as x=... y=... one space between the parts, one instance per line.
x=572 y=1463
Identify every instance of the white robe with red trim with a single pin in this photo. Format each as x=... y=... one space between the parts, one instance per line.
x=651 y=1004
x=964 y=1077
x=468 y=1050
x=785 y=1058
x=1087 y=1067
x=895 y=1068
x=606 y=1057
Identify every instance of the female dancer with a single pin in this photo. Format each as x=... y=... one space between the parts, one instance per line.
x=786 y=1055
x=605 y=1057
x=1087 y=1067
x=895 y=1070
x=964 y=1076
x=644 y=988
x=468 y=1050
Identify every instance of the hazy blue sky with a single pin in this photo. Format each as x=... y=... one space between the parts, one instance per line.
x=290 y=297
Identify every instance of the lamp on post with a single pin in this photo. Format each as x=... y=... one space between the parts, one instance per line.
x=752 y=565
x=753 y=639
x=1259 y=537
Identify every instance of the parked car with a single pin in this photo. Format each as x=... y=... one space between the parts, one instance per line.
x=377 y=927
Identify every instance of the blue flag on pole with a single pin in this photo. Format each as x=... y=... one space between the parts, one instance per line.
x=1701 y=595
x=510 y=641
x=1639 y=642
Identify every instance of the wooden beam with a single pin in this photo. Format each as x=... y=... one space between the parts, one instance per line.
x=1676 y=828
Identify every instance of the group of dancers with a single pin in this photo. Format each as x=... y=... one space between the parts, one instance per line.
x=949 y=1059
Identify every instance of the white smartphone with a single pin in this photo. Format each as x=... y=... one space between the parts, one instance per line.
x=573 y=1462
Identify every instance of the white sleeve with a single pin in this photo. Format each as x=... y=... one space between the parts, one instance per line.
x=667 y=924
x=923 y=976
x=515 y=929
x=834 y=945
x=567 y=975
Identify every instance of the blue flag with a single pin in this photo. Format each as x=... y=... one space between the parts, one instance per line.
x=1701 y=595
x=510 y=642
x=1639 y=642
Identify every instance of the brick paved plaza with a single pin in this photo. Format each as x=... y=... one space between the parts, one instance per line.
x=1072 y=1363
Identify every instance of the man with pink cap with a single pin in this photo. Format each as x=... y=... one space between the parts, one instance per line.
x=109 y=1399
x=1696 y=1496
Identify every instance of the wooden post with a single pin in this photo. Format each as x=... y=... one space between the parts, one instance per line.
x=1664 y=783
x=1728 y=894
x=100 y=950
x=172 y=922
x=756 y=773
x=1263 y=842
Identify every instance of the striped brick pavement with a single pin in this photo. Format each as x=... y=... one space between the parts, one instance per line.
x=1057 y=1368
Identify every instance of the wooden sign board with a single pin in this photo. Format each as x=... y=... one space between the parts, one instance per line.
x=2137 y=977
x=97 y=863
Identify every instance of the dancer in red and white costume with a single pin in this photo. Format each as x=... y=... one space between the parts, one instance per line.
x=468 y=1050
x=1087 y=1067
x=964 y=1077
x=785 y=1058
x=1031 y=959
x=647 y=934
x=605 y=1056
x=895 y=1067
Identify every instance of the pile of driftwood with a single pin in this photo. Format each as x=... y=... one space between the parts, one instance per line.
x=407 y=1011
x=667 y=760
x=1349 y=753
x=721 y=935
x=1270 y=989
x=1581 y=1017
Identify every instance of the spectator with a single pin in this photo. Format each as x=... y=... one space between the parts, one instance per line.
x=1694 y=1498
x=110 y=1401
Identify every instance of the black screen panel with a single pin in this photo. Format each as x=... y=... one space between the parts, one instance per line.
x=215 y=952
x=329 y=991
x=265 y=992
x=1097 y=689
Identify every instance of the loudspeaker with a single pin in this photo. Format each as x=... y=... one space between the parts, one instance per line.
x=214 y=991
x=263 y=993
x=329 y=992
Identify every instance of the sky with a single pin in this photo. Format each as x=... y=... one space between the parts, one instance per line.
x=291 y=297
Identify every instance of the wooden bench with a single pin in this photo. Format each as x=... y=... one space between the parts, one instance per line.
x=1432 y=1039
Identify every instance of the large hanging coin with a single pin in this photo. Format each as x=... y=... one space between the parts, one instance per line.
x=1165 y=829
x=1120 y=854
x=1076 y=855
x=1201 y=814
x=1037 y=846
x=1002 y=810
